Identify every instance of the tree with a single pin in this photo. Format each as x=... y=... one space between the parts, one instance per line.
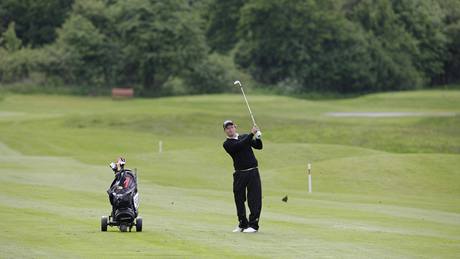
x=307 y=42
x=82 y=48
x=158 y=40
x=36 y=21
x=392 y=47
x=424 y=21
x=9 y=40
x=143 y=44
x=223 y=17
x=451 y=68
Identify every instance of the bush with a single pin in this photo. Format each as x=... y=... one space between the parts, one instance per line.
x=207 y=77
x=19 y=65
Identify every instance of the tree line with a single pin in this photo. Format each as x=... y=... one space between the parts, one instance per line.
x=199 y=46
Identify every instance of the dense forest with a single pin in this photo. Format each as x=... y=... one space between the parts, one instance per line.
x=200 y=46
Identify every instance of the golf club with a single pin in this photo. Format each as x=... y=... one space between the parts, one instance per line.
x=238 y=83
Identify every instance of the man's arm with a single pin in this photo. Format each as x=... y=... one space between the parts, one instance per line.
x=233 y=146
x=257 y=143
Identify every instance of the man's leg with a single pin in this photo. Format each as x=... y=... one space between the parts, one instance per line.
x=239 y=192
x=254 y=198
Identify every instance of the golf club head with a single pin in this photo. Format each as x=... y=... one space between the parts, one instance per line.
x=237 y=83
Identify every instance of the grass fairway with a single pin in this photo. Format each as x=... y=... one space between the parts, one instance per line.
x=382 y=186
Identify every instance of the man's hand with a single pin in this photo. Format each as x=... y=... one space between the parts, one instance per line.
x=254 y=129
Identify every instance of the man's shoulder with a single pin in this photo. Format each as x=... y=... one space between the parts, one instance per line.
x=229 y=140
x=226 y=141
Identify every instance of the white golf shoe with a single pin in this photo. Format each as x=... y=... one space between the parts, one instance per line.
x=250 y=230
x=238 y=229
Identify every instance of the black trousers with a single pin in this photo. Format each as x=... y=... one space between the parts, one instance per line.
x=248 y=182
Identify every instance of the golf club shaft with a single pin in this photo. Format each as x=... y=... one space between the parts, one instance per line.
x=249 y=108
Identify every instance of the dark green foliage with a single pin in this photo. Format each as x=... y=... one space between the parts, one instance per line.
x=223 y=18
x=9 y=39
x=424 y=21
x=200 y=46
x=82 y=49
x=158 y=39
x=16 y=62
x=451 y=68
x=391 y=45
x=319 y=49
x=18 y=65
x=136 y=43
x=361 y=46
x=36 y=20
x=207 y=76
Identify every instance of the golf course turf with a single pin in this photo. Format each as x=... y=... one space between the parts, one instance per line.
x=383 y=186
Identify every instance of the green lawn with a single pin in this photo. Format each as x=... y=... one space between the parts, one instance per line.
x=382 y=186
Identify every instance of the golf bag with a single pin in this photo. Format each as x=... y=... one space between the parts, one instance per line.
x=124 y=197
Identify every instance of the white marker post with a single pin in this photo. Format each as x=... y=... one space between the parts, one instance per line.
x=160 y=146
x=309 y=177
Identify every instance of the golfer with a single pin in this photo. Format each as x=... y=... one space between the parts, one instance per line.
x=246 y=177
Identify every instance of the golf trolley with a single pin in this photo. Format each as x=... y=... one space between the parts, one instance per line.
x=124 y=198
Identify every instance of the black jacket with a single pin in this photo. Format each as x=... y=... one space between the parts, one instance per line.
x=241 y=151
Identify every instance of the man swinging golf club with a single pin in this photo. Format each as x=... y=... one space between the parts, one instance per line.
x=246 y=177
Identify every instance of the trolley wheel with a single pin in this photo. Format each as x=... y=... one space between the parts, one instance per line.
x=104 y=223
x=139 y=224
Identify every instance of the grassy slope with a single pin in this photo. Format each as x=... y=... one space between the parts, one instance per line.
x=382 y=186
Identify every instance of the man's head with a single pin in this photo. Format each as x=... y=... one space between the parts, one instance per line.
x=229 y=128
